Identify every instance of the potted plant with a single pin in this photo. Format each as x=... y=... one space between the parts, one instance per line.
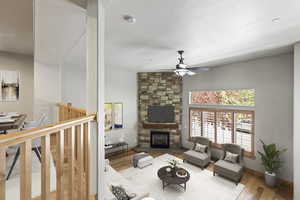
x=271 y=161
x=174 y=165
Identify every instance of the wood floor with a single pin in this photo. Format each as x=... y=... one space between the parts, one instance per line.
x=255 y=189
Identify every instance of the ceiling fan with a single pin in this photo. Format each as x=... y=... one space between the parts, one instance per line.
x=183 y=69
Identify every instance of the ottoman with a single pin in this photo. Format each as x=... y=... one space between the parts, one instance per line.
x=142 y=160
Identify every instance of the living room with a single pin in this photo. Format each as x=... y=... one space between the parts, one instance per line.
x=157 y=101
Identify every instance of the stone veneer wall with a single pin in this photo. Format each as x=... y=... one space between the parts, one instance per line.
x=159 y=88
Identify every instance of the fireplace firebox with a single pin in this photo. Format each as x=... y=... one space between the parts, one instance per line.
x=160 y=139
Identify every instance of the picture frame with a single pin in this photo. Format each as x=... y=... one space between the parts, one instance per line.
x=108 y=120
x=118 y=115
x=10 y=85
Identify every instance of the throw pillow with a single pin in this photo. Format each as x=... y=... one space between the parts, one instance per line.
x=231 y=157
x=200 y=148
x=119 y=192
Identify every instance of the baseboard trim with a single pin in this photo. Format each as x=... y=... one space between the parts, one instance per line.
x=261 y=174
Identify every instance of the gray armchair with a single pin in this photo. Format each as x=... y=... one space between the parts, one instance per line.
x=232 y=171
x=198 y=158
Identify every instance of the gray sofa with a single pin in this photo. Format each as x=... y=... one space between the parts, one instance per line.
x=232 y=171
x=198 y=158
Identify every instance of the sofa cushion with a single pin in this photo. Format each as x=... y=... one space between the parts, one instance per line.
x=229 y=167
x=112 y=177
x=119 y=192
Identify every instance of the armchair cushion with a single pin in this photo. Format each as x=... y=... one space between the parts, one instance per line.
x=195 y=154
x=231 y=157
x=232 y=171
x=228 y=166
x=197 y=158
x=234 y=148
x=200 y=148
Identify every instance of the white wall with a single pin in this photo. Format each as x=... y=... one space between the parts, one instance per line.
x=23 y=64
x=59 y=28
x=121 y=86
x=73 y=75
x=296 y=121
x=272 y=78
x=46 y=90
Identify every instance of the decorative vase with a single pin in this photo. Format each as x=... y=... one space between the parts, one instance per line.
x=270 y=179
x=174 y=169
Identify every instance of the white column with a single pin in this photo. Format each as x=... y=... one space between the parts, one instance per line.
x=95 y=91
x=101 y=92
x=297 y=121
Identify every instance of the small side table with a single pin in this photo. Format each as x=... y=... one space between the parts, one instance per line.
x=123 y=145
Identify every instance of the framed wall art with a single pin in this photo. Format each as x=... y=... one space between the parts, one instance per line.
x=10 y=85
x=118 y=115
x=108 y=110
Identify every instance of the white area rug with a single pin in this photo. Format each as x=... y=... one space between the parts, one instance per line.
x=202 y=184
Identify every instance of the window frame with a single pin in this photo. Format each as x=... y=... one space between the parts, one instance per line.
x=215 y=110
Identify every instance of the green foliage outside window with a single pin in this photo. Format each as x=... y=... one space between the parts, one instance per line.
x=224 y=97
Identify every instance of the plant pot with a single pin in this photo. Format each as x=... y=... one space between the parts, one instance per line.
x=270 y=179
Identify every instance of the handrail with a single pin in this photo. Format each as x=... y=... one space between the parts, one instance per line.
x=67 y=111
x=71 y=107
x=72 y=141
x=21 y=136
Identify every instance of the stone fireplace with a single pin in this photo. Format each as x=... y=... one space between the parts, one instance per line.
x=159 y=89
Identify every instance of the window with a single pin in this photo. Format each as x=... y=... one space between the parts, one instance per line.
x=224 y=126
x=223 y=97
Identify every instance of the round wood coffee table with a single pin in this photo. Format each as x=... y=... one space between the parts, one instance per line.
x=169 y=178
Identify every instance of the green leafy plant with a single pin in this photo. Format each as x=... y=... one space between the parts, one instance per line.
x=174 y=163
x=271 y=157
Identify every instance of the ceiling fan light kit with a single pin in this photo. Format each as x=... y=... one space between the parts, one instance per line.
x=181 y=72
x=183 y=69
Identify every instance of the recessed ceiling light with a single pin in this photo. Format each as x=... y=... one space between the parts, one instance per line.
x=130 y=19
x=276 y=19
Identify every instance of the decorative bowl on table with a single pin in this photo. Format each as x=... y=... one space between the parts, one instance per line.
x=168 y=169
x=181 y=173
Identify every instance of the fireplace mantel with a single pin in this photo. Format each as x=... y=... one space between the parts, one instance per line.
x=151 y=125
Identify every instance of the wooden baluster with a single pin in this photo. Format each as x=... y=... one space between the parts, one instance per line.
x=25 y=168
x=45 y=178
x=2 y=172
x=71 y=163
x=87 y=151
x=60 y=165
x=80 y=175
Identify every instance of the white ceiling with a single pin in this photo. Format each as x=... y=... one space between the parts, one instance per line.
x=60 y=26
x=210 y=31
x=16 y=26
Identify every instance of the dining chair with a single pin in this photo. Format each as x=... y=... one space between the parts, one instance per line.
x=36 y=143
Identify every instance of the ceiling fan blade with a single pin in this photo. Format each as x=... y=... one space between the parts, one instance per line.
x=166 y=70
x=190 y=73
x=203 y=68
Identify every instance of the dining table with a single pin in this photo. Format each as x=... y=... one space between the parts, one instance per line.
x=14 y=123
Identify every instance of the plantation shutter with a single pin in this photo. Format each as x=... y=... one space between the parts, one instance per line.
x=208 y=120
x=195 y=123
x=224 y=126
x=244 y=125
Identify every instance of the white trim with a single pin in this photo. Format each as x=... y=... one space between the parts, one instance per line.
x=100 y=106
x=229 y=107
